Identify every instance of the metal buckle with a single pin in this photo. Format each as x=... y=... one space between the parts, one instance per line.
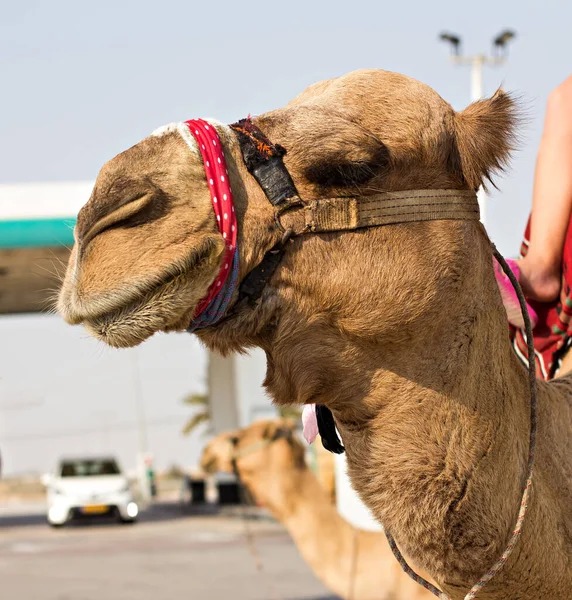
x=284 y=207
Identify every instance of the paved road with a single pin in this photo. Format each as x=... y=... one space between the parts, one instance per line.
x=167 y=555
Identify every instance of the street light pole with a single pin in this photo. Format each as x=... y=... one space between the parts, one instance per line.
x=144 y=482
x=477 y=91
x=477 y=62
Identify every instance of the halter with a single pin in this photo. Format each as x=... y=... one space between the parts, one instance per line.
x=294 y=216
x=237 y=453
x=279 y=434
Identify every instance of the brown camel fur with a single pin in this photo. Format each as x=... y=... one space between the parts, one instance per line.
x=352 y=563
x=399 y=330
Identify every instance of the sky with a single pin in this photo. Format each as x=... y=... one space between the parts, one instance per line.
x=82 y=81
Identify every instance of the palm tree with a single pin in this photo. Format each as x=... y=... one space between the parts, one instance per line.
x=204 y=415
x=200 y=416
x=291 y=412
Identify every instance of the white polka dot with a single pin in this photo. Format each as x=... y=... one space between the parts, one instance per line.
x=215 y=199
x=218 y=217
x=226 y=266
x=232 y=228
x=218 y=283
x=222 y=177
x=207 y=127
x=224 y=196
x=227 y=171
x=214 y=143
x=224 y=235
x=197 y=131
x=225 y=216
x=203 y=146
x=233 y=209
x=218 y=160
x=208 y=164
x=230 y=247
x=211 y=181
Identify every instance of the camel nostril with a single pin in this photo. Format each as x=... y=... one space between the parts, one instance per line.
x=115 y=218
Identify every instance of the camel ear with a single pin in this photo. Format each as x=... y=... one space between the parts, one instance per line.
x=279 y=428
x=485 y=133
x=271 y=430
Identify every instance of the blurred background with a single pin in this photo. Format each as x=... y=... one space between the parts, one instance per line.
x=82 y=81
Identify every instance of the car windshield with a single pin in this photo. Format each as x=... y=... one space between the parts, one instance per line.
x=89 y=467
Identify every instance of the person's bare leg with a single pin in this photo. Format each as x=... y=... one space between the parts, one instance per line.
x=552 y=200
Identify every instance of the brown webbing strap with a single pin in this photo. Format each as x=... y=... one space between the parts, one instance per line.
x=385 y=208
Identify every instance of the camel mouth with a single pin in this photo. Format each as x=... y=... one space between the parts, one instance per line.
x=126 y=317
x=216 y=456
x=209 y=464
x=160 y=309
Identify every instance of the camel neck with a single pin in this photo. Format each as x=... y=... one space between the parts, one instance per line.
x=310 y=498
x=309 y=510
x=322 y=536
x=447 y=422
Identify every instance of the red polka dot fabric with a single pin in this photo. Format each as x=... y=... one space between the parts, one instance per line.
x=221 y=197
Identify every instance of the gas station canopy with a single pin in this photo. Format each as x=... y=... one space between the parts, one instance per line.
x=36 y=234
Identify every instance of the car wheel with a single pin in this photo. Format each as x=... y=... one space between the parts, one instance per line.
x=55 y=525
x=186 y=496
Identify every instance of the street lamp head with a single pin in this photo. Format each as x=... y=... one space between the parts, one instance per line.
x=452 y=39
x=502 y=39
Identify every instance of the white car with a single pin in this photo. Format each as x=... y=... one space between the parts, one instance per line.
x=89 y=486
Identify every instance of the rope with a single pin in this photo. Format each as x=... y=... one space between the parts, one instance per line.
x=353 y=565
x=245 y=500
x=499 y=564
x=417 y=578
x=256 y=558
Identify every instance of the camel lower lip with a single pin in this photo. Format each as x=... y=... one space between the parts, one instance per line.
x=162 y=308
x=120 y=330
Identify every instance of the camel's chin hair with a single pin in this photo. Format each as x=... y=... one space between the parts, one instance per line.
x=169 y=308
x=119 y=335
x=129 y=329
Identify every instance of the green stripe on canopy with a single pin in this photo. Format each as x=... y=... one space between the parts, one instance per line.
x=36 y=233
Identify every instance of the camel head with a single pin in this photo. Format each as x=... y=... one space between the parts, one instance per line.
x=268 y=455
x=147 y=243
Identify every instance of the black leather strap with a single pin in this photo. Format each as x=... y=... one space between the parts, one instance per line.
x=263 y=159
x=327 y=430
x=253 y=284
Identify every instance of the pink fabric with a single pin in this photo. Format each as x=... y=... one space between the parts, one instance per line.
x=221 y=197
x=509 y=297
x=553 y=332
x=309 y=423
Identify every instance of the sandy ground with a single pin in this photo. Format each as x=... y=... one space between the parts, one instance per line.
x=169 y=553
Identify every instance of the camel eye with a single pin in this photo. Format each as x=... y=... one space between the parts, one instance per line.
x=338 y=171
